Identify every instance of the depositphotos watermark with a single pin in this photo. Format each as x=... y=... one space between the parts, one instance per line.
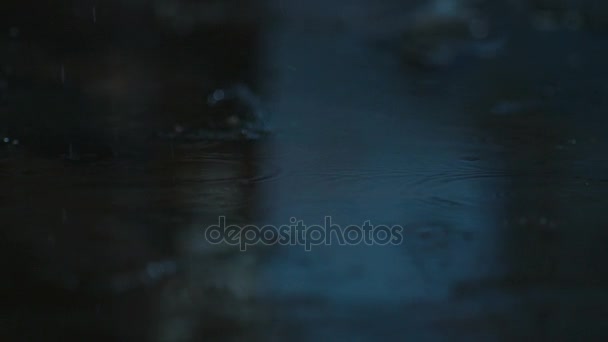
x=298 y=234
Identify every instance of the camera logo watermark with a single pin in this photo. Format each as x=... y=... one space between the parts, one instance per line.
x=298 y=234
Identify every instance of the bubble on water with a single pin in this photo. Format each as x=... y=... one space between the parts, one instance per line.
x=216 y=96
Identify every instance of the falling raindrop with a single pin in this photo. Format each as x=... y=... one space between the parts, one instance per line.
x=94 y=15
x=62 y=73
x=71 y=152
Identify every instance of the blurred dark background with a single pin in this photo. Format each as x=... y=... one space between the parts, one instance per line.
x=128 y=127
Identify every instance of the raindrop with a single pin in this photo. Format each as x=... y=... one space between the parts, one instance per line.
x=6 y=140
x=62 y=73
x=71 y=155
x=94 y=15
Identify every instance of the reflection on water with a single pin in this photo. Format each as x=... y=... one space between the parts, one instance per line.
x=90 y=238
x=493 y=166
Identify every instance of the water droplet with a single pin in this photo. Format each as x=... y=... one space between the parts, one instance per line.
x=15 y=142
x=6 y=140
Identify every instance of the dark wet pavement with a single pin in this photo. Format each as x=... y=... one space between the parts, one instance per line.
x=494 y=167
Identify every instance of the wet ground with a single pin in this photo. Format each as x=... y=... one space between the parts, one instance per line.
x=495 y=167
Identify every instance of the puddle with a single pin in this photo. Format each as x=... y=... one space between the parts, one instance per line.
x=498 y=188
